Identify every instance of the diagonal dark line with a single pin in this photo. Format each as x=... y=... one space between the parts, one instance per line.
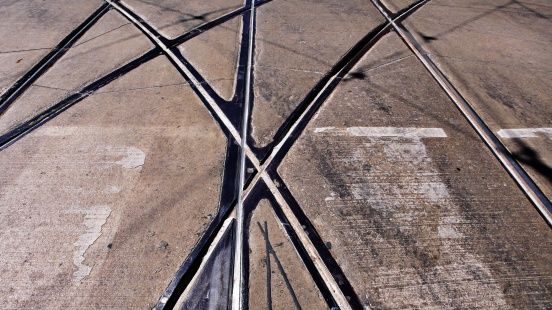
x=524 y=182
x=47 y=61
x=320 y=93
x=270 y=250
x=268 y=246
x=38 y=120
x=27 y=80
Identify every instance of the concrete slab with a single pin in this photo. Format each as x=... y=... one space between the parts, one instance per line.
x=297 y=42
x=215 y=55
x=112 y=42
x=418 y=212
x=99 y=206
x=174 y=17
x=497 y=53
x=30 y=29
x=284 y=288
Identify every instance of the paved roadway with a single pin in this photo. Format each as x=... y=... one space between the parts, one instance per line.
x=366 y=187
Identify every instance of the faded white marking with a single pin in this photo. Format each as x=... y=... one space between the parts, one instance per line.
x=402 y=132
x=391 y=171
x=524 y=132
x=134 y=158
x=94 y=219
x=112 y=189
x=166 y=131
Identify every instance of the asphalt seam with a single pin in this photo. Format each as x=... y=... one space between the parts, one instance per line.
x=523 y=180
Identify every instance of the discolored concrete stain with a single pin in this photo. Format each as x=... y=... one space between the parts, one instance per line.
x=110 y=43
x=94 y=219
x=418 y=211
x=174 y=17
x=404 y=200
x=98 y=205
x=496 y=53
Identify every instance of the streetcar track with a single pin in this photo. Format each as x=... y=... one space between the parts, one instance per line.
x=49 y=60
x=40 y=119
x=26 y=81
x=514 y=169
x=193 y=78
x=316 y=269
x=176 y=58
x=249 y=189
x=239 y=296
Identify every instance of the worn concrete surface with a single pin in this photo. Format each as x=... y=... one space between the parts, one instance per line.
x=293 y=271
x=499 y=55
x=418 y=211
x=110 y=43
x=30 y=29
x=215 y=54
x=99 y=207
x=297 y=42
x=175 y=17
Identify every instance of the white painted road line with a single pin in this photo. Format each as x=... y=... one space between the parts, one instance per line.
x=524 y=181
x=402 y=132
x=524 y=133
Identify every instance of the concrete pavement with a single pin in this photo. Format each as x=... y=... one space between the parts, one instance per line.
x=366 y=187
